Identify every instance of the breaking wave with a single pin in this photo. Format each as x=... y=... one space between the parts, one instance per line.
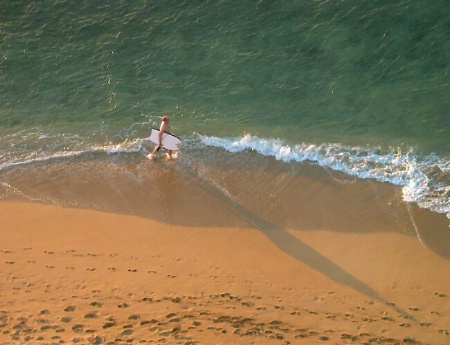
x=424 y=180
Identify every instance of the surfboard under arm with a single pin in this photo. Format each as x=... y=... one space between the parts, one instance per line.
x=169 y=141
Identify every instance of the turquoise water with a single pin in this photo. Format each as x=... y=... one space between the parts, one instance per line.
x=355 y=86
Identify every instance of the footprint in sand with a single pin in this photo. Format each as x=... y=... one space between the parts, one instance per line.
x=96 y=304
x=78 y=328
x=345 y=336
x=248 y=304
x=95 y=339
x=127 y=332
x=154 y=329
x=91 y=316
x=387 y=318
x=146 y=322
x=109 y=324
x=70 y=308
x=46 y=327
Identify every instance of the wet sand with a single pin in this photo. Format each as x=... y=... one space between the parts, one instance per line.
x=83 y=276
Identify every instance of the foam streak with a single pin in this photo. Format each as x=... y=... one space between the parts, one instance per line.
x=405 y=169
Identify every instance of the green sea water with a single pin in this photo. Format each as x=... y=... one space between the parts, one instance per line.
x=365 y=83
x=341 y=71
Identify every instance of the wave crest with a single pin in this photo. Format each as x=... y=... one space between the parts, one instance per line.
x=424 y=180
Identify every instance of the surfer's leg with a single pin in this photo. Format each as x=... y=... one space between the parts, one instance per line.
x=157 y=148
x=153 y=154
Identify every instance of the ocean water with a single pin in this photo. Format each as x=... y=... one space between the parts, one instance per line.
x=257 y=90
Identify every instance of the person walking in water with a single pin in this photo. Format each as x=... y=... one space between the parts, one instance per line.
x=164 y=128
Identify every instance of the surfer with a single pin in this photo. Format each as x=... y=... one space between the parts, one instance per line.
x=164 y=128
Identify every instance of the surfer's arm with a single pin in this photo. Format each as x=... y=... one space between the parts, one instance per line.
x=160 y=135
x=162 y=130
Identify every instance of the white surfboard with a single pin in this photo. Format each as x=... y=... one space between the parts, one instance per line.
x=169 y=141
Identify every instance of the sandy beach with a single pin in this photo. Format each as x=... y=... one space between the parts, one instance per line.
x=88 y=277
x=308 y=202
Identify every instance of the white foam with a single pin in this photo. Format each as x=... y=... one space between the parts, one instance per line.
x=401 y=168
x=394 y=166
x=37 y=157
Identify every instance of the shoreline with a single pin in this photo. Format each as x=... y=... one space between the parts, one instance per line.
x=73 y=275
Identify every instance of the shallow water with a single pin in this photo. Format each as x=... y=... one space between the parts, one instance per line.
x=357 y=87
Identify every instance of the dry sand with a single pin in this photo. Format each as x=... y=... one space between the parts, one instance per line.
x=87 y=277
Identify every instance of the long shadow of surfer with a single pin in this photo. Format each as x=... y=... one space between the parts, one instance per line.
x=287 y=242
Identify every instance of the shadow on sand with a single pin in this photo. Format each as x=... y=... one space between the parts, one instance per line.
x=287 y=242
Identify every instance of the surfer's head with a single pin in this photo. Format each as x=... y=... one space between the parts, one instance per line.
x=166 y=119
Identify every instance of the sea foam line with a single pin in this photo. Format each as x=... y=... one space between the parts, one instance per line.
x=39 y=157
x=404 y=169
